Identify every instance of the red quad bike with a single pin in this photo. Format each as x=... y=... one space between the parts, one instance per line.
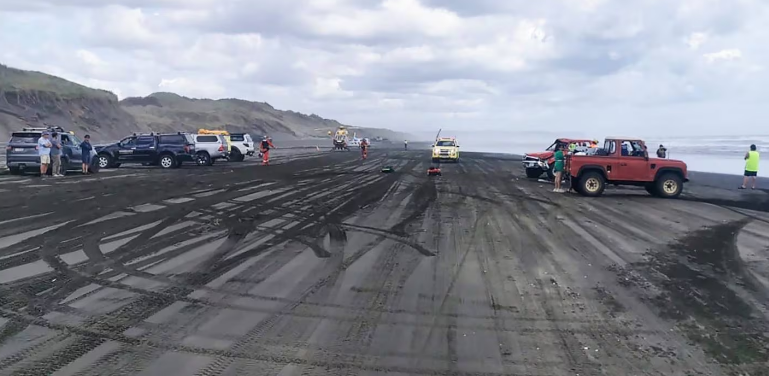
x=433 y=171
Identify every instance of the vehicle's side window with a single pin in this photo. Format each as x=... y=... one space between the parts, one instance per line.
x=632 y=149
x=610 y=147
x=171 y=139
x=65 y=140
x=145 y=141
x=128 y=142
x=208 y=139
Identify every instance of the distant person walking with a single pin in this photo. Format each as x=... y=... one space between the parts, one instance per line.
x=55 y=155
x=44 y=151
x=751 y=167
x=662 y=152
x=405 y=144
x=558 y=168
x=85 y=151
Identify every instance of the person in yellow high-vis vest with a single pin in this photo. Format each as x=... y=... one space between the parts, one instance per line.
x=751 y=167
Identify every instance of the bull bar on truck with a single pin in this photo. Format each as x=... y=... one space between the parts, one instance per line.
x=532 y=162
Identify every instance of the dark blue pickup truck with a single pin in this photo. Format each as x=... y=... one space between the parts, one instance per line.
x=168 y=150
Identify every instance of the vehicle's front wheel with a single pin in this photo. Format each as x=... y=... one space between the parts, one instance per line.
x=203 y=159
x=15 y=171
x=167 y=161
x=591 y=184
x=533 y=173
x=103 y=160
x=669 y=185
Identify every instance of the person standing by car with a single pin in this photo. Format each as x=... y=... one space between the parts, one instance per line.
x=405 y=144
x=751 y=167
x=55 y=155
x=85 y=151
x=558 y=168
x=44 y=151
x=662 y=152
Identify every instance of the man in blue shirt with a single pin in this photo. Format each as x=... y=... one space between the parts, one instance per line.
x=44 y=151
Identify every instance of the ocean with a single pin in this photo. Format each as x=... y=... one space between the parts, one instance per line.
x=719 y=154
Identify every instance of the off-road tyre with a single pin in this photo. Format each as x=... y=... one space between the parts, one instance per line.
x=167 y=161
x=591 y=184
x=202 y=158
x=669 y=185
x=15 y=171
x=533 y=173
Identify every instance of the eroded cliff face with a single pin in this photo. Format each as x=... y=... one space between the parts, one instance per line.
x=35 y=99
x=100 y=116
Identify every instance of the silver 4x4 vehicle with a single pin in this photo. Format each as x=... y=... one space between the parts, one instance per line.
x=242 y=145
x=209 y=148
x=21 y=152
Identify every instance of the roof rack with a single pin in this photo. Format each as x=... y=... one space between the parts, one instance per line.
x=43 y=129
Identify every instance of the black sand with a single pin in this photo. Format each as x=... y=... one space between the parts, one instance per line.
x=322 y=265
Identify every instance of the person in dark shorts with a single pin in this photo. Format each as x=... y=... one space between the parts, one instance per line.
x=751 y=167
x=85 y=150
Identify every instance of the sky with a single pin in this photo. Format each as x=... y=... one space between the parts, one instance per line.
x=598 y=67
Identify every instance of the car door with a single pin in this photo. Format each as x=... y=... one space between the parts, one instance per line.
x=126 y=149
x=71 y=148
x=632 y=164
x=145 y=150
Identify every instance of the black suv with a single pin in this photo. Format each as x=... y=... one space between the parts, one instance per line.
x=168 y=150
x=21 y=152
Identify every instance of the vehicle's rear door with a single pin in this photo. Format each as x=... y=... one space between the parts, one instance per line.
x=22 y=147
x=632 y=165
x=146 y=149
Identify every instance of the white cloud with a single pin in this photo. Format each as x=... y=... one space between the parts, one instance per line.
x=413 y=63
x=727 y=55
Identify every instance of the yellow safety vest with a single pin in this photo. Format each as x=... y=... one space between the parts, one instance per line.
x=751 y=165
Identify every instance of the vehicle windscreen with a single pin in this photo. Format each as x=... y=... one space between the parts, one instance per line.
x=445 y=143
x=24 y=138
x=237 y=137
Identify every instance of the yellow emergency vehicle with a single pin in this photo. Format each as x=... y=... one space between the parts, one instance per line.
x=445 y=149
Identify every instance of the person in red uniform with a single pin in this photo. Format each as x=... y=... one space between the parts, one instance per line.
x=364 y=148
x=265 y=149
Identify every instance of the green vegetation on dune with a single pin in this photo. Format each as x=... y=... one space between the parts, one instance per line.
x=12 y=79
